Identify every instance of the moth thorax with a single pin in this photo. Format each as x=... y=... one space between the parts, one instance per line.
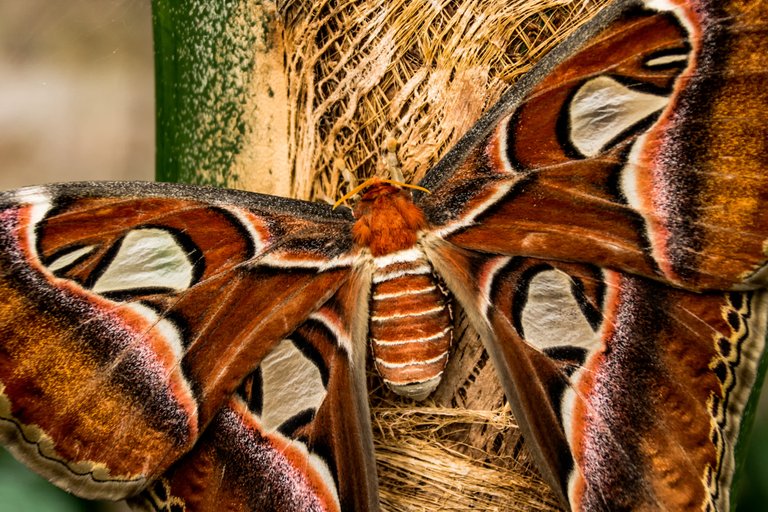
x=410 y=323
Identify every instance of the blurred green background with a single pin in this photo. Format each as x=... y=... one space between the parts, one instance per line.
x=77 y=103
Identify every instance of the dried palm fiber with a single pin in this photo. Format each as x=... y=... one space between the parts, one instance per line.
x=332 y=83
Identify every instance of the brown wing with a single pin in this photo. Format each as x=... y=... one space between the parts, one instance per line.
x=130 y=313
x=639 y=145
x=297 y=437
x=631 y=159
x=630 y=393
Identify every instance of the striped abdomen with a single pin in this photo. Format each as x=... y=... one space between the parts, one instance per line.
x=410 y=323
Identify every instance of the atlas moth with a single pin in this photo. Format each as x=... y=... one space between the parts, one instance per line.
x=602 y=226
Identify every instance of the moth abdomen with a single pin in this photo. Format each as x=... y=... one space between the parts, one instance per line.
x=410 y=326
